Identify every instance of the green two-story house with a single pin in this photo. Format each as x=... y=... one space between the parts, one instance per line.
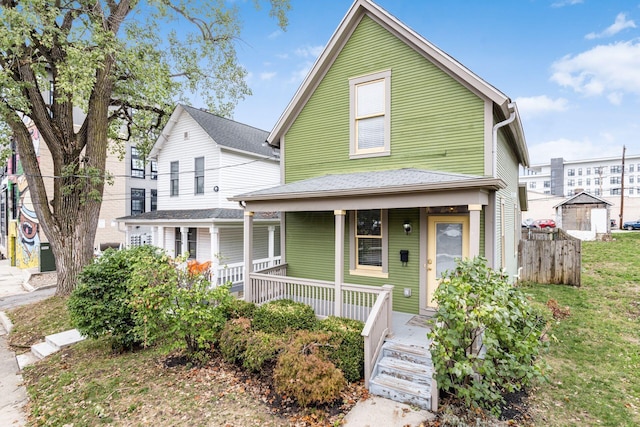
x=395 y=160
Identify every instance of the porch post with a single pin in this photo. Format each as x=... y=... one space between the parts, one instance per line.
x=248 y=255
x=474 y=230
x=214 y=236
x=339 y=259
x=184 y=235
x=272 y=251
x=127 y=237
x=160 y=238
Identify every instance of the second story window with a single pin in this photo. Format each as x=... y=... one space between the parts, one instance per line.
x=137 y=201
x=370 y=115
x=198 y=183
x=614 y=180
x=588 y=171
x=615 y=169
x=154 y=200
x=154 y=169
x=571 y=172
x=175 y=179
x=137 y=163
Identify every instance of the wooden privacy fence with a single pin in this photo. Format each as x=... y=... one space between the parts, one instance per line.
x=551 y=257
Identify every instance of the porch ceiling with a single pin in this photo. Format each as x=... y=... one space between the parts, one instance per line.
x=379 y=189
x=195 y=216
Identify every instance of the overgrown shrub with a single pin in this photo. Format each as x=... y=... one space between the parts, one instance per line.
x=278 y=316
x=181 y=305
x=100 y=304
x=233 y=339
x=486 y=340
x=347 y=345
x=262 y=347
x=304 y=372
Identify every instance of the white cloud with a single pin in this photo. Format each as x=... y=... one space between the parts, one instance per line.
x=267 y=75
x=570 y=150
x=563 y=3
x=540 y=105
x=275 y=34
x=620 y=24
x=298 y=75
x=309 y=51
x=282 y=56
x=609 y=70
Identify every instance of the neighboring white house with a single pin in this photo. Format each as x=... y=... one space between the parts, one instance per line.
x=202 y=159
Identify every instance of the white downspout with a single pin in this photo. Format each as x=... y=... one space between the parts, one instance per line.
x=497 y=126
x=494 y=159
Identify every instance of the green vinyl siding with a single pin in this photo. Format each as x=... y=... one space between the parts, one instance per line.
x=436 y=123
x=310 y=253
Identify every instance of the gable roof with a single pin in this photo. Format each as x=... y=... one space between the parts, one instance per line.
x=583 y=198
x=406 y=180
x=358 y=10
x=224 y=132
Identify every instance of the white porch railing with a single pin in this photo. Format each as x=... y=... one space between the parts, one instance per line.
x=234 y=273
x=370 y=304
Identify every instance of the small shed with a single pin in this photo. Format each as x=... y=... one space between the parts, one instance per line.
x=584 y=216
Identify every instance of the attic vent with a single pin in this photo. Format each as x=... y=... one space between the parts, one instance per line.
x=186 y=135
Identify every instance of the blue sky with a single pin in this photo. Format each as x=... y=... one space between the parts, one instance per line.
x=572 y=66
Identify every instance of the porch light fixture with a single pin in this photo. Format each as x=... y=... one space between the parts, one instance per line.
x=407 y=227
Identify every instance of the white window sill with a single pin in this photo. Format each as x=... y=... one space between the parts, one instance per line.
x=369 y=273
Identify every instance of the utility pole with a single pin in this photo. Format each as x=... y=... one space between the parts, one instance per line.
x=624 y=149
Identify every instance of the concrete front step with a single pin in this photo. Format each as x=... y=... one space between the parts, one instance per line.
x=405 y=370
x=26 y=359
x=401 y=390
x=51 y=344
x=64 y=339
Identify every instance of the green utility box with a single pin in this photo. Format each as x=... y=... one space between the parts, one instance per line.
x=47 y=260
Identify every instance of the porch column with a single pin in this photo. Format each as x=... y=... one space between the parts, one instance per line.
x=160 y=235
x=474 y=230
x=214 y=236
x=248 y=255
x=127 y=237
x=184 y=235
x=339 y=259
x=272 y=250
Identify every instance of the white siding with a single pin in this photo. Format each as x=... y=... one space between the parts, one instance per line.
x=177 y=148
x=241 y=173
x=204 y=245
x=231 y=245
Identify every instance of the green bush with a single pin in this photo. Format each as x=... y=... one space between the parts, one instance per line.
x=486 y=340
x=347 y=350
x=304 y=372
x=181 y=305
x=261 y=348
x=278 y=316
x=100 y=304
x=240 y=308
x=234 y=338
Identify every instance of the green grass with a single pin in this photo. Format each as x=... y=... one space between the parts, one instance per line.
x=594 y=354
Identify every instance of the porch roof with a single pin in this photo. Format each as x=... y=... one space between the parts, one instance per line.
x=195 y=215
x=409 y=182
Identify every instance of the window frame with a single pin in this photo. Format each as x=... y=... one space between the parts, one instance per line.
x=354 y=83
x=154 y=169
x=369 y=270
x=154 y=200
x=198 y=176
x=137 y=164
x=174 y=180
x=140 y=197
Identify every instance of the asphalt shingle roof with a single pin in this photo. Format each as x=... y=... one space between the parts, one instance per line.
x=232 y=134
x=359 y=181
x=197 y=214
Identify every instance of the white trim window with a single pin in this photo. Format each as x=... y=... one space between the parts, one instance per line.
x=370 y=98
x=369 y=242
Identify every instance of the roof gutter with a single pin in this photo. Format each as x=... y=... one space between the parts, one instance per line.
x=497 y=126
